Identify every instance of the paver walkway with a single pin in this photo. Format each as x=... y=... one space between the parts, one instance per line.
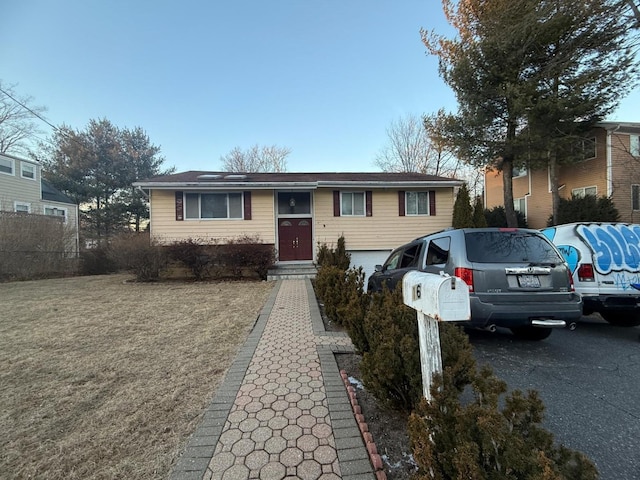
x=282 y=410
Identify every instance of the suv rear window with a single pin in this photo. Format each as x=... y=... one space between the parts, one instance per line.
x=509 y=247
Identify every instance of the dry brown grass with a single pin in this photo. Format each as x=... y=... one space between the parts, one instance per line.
x=104 y=379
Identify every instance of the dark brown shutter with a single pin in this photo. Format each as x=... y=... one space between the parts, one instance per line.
x=432 y=202
x=179 y=206
x=336 y=203
x=369 y=203
x=247 y=205
x=401 y=203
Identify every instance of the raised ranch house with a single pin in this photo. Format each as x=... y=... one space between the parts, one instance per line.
x=375 y=212
x=23 y=190
x=611 y=168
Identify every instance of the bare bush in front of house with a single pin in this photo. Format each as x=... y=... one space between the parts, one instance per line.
x=248 y=253
x=138 y=254
x=35 y=246
x=193 y=255
x=97 y=260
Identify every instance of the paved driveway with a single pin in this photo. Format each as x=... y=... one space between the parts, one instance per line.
x=589 y=381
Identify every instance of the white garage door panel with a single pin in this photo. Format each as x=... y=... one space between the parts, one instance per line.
x=368 y=260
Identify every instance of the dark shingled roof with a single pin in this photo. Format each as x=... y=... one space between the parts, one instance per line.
x=51 y=194
x=192 y=176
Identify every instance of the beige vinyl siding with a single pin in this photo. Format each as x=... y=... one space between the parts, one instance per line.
x=385 y=229
x=166 y=229
x=15 y=188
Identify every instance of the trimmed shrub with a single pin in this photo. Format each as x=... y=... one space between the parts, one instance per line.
x=353 y=307
x=249 y=253
x=391 y=366
x=585 y=209
x=492 y=436
x=192 y=255
x=137 y=254
x=337 y=257
x=97 y=261
x=329 y=283
x=496 y=217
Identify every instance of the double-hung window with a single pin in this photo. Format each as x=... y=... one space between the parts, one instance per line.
x=417 y=203
x=56 y=212
x=22 y=207
x=6 y=166
x=352 y=204
x=28 y=170
x=584 y=191
x=213 y=205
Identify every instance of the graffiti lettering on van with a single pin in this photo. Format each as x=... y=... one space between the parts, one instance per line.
x=614 y=247
x=626 y=282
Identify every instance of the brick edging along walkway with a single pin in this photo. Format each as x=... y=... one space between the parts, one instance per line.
x=282 y=409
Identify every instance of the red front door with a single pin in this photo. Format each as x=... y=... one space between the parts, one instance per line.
x=294 y=239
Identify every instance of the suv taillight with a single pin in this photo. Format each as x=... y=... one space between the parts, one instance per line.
x=585 y=273
x=466 y=275
x=572 y=287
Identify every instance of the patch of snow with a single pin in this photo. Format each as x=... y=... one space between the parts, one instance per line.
x=357 y=383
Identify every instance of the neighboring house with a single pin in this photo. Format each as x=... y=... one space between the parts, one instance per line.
x=23 y=190
x=611 y=168
x=296 y=212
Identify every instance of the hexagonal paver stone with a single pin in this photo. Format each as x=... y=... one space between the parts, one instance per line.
x=275 y=445
x=222 y=461
x=273 y=471
x=236 y=472
x=243 y=447
x=230 y=437
x=309 y=470
x=256 y=460
x=261 y=434
x=321 y=430
x=291 y=432
x=291 y=457
x=325 y=454
x=307 y=443
x=278 y=423
x=249 y=424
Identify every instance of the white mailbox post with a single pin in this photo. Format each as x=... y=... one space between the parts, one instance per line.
x=435 y=298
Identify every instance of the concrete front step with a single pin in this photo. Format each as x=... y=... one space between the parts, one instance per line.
x=292 y=272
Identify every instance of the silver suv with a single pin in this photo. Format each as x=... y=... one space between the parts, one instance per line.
x=517 y=279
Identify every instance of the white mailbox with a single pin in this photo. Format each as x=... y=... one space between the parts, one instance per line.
x=443 y=298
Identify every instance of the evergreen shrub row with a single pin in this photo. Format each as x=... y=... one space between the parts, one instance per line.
x=472 y=428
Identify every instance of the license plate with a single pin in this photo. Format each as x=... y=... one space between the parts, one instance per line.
x=529 y=281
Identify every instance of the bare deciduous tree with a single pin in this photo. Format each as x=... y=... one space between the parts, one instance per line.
x=417 y=144
x=18 y=120
x=256 y=159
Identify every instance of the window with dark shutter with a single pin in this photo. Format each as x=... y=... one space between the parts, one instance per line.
x=369 y=203
x=247 y=205
x=401 y=204
x=179 y=207
x=432 y=202
x=336 y=203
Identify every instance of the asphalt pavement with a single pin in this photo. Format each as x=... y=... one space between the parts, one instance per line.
x=589 y=380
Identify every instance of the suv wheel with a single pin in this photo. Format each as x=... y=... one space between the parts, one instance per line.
x=622 y=319
x=531 y=333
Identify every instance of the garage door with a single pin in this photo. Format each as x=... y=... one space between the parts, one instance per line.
x=368 y=260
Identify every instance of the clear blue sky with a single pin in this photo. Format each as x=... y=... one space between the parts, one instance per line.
x=324 y=78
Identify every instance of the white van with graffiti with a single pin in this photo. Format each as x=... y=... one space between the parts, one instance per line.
x=605 y=261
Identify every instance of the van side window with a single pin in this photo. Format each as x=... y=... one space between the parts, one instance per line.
x=411 y=256
x=438 y=252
